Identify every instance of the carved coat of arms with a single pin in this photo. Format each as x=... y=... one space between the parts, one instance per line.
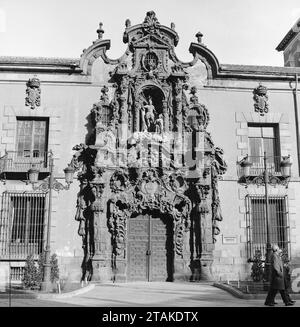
x=33 y=92
x=260 y=98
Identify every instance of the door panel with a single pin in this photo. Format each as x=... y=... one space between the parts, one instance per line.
x=138 y=243
x=150 y=248
x=158 y=250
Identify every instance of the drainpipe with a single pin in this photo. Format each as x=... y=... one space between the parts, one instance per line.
x=297 y=121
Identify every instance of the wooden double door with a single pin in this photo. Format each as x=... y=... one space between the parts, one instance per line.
x=150 y=248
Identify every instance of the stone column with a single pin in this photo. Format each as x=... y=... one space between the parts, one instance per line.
x=205 y=256
x=165 y=115
x=99 y=233
x=124 y=119
x=182 y=271
x=137 y=109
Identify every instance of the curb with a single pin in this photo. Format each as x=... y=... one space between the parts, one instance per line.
x=44 y=296
x=82 y=290
x=234 y=291
x=239 y=294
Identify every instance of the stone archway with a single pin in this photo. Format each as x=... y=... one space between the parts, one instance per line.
x=150 y=213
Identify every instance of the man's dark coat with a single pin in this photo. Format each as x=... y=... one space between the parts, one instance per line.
x=277 y=274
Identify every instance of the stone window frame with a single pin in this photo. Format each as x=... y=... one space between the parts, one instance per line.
x=8 y=134
x=282 y=119
x=9 y=126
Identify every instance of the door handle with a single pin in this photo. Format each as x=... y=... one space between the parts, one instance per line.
x=148 y=252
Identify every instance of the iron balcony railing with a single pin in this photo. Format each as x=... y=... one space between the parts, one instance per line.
x=22 y=161
x=257 y=168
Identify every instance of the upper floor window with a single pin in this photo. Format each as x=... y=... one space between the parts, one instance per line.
x=32 y=137
x=264 y=139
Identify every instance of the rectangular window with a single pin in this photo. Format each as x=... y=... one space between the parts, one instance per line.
x=257 y=224
x=22 y=224
x=32 y=137
x=31 y=145
x=264 y=139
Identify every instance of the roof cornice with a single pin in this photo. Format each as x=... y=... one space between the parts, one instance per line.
x=291 y=34
x=40 y=64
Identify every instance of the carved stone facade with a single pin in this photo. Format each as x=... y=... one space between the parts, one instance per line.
x=150 y=177
x=150 y=162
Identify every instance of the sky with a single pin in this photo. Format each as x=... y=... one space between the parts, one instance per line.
x=236 y=31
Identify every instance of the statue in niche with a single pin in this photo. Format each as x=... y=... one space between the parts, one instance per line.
x=143 y=127
x=149 y=115
x=159 y=123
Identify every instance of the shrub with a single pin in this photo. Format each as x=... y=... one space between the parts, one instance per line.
x=34 y=273
x=257 y=269
x=31 y=274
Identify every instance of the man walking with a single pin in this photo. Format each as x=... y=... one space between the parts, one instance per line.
x=276 y=279
x=286 y=274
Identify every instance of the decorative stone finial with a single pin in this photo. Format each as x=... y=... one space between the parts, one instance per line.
x=173 y=26
x=127 y=23
x=100 y=31
x=199 y=37
x=151 y=24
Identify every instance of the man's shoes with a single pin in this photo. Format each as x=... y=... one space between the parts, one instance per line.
x=289 y=304
x=275 y=302
x=270 y=304
x=292 y=301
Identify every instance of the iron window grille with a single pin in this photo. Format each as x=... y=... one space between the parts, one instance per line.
x=22 y=224
x=16 y=274
x=257 y=225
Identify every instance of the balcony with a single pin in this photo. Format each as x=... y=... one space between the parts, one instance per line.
x=252 y=169
x=21 y=162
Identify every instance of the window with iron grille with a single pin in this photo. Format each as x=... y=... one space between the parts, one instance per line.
x=32 y=137
x=22 y=224
x=257 y=224
x=106 y=115
x=16 y=274
x=264 y=138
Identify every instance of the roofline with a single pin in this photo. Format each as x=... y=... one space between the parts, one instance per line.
x=286 y=40
x=289 y=36
x=223 y=71
x=40 y=64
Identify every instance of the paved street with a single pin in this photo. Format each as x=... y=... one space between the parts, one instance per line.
x=140 y=294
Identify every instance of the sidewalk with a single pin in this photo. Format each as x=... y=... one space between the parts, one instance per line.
x=154 y=294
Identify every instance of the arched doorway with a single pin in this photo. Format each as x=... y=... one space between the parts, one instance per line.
x=150 y=247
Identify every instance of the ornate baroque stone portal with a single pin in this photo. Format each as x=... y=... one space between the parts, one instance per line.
x=150 y=155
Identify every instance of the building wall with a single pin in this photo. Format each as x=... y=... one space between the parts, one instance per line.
x=67 y=101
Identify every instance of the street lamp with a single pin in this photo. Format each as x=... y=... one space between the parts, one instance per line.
x=265 y=178
x=47 y=185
